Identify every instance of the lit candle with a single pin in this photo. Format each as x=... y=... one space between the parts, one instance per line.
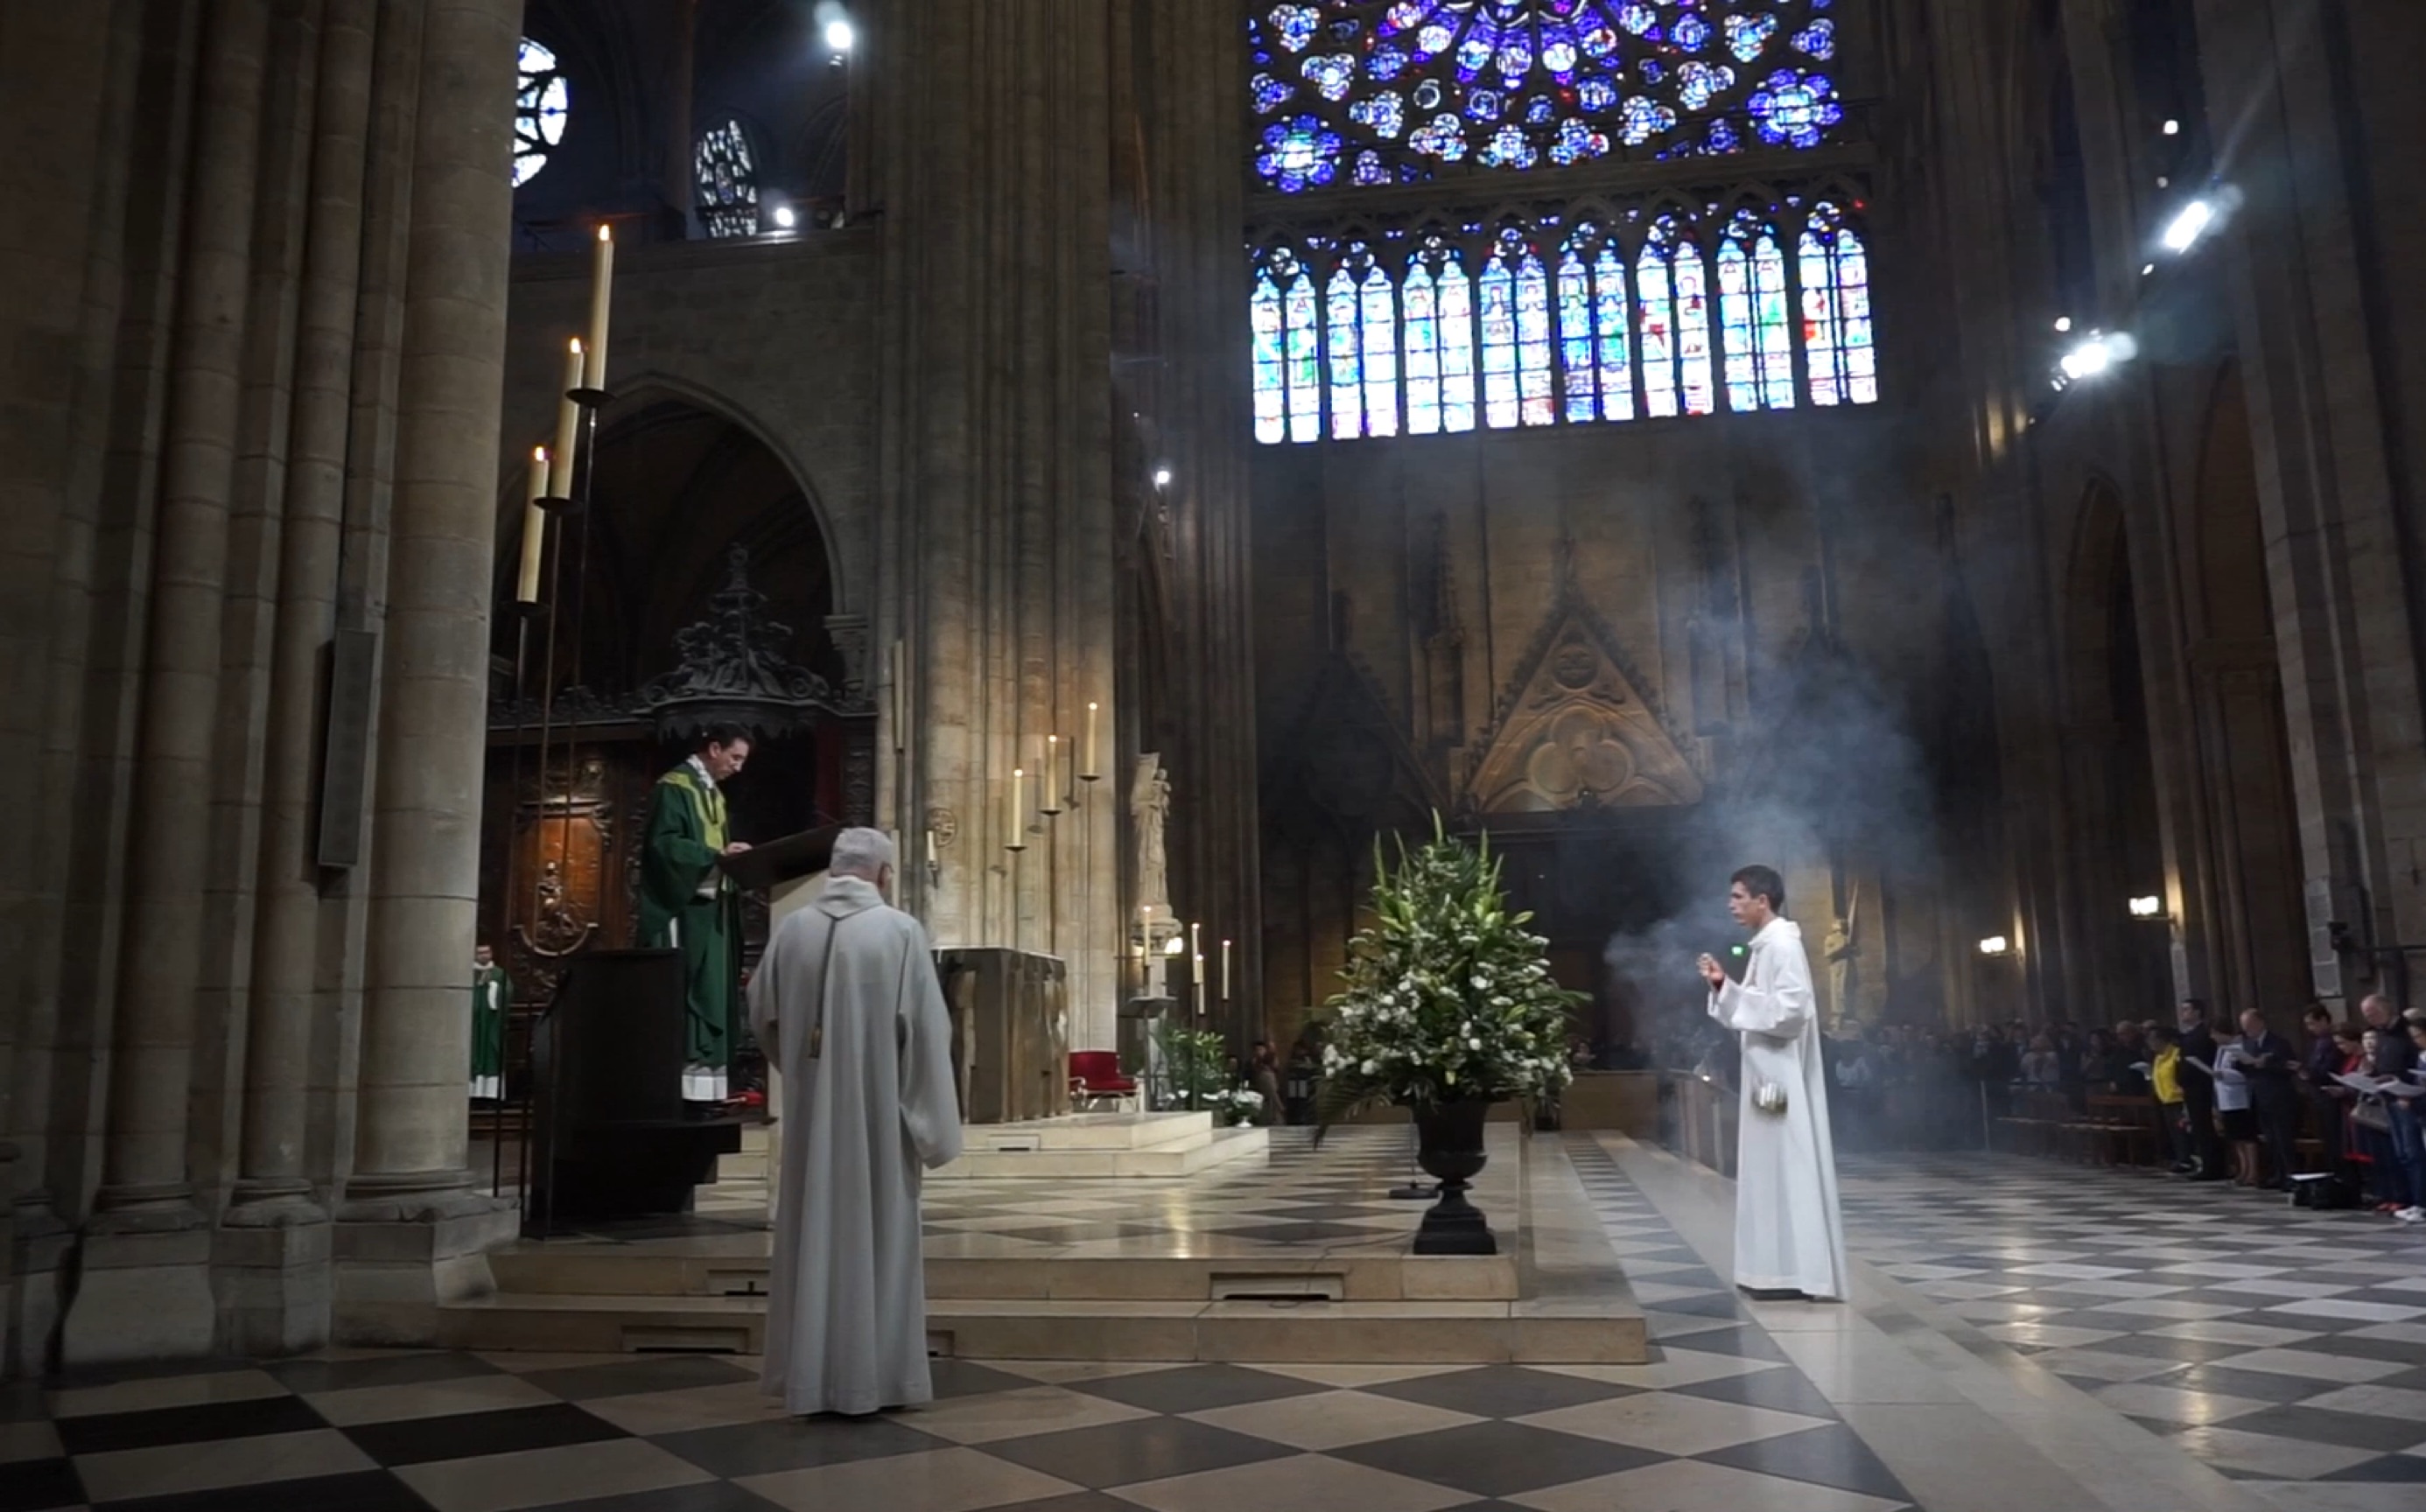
x=1052 y=774
x=1196 y=947
x=1018 y=810
x=931 y=850
x=602 y=285
x=1089 y=771
x=1225 y=971
x=568 y=422
x=534 y=530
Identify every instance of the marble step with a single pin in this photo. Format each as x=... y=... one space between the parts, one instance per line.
x=1183 y=1157
x=1092 y=1133
x=1270 y=1331
x=551 y=1271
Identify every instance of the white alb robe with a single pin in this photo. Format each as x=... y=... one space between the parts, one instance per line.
x=847 y=1309
x=1788 y=1234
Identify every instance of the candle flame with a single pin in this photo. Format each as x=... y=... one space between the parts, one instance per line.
x=539 y=454
x=1091 y=708
x=573 y=347
x=1019 y=771
x=606 y=234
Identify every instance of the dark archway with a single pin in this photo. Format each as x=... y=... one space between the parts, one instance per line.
x=2126 y=972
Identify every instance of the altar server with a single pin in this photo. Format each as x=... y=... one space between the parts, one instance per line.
x=1789 y=1237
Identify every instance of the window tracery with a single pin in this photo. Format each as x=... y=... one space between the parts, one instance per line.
x=543 y=101
x=725 y=176
x=1371 y=92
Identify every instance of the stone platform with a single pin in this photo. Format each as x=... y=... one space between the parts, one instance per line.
x=1283 y=1253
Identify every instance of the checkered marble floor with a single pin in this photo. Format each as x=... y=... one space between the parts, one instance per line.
x=1720 y=1420
x=2275 y=1345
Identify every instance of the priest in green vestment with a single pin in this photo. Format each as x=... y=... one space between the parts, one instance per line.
x=688 y=904
x=492 y=997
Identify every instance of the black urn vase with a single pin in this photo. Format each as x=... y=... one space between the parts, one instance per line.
x=1449 y=1148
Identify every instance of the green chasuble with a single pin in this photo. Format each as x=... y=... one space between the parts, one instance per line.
x=493 y=994
x=687 y=904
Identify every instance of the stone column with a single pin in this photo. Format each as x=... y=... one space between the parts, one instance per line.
x=997 y=543
x=2333 y=480
x=410 y=1231
x=1195 y=212
x=61 y=82
x=145 y=1291
x=272 y=1254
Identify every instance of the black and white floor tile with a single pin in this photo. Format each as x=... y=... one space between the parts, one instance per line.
x=2273 y=1342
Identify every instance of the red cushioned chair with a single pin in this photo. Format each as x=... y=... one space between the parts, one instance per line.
x=1096 y=1080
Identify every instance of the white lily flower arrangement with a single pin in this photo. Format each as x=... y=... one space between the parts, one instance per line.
x=1446 y=996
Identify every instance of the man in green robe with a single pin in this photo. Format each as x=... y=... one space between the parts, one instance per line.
x=492 y=997
x=688 y=904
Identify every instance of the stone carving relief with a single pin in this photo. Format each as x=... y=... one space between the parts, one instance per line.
x=1576 y=733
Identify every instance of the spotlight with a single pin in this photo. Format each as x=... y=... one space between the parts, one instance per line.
x=1996 y=945
x=2173 y=128
x=839 y=35
x=2063 y=321
x=786 y=217
x=2149 y=907
x=2095 y=353
x=2189 y=226
x=1162 y=478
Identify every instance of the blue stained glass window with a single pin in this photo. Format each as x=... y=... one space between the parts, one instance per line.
x=1344 y=306
x=1422 y=353
x=1302 y=350
x=1651 y=291
x=1685 y=271
x=1758 y=351
x=1578 y=379
x=1516 y=84
x=1379 y=313
x=1456 y=347
x=1271 y=362
x=1533 y=384
x=1499 y=290
x=1610 y=323
x=1838 y=344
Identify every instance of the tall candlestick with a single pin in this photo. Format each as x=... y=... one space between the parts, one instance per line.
x=1018 y=840
x=1088 y=771
x=601 y=285
x=534 y=530
x=568 y=422
x=1052 y=803
x=1225 y=971
x=931 y=850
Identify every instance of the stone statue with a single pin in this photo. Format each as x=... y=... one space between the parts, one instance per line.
x=1150 y=806
x=1844 y=960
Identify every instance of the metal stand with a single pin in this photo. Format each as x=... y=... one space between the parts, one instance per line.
x=1418 y=1190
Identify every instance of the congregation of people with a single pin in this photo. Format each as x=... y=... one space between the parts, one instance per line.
x=2339 y=1104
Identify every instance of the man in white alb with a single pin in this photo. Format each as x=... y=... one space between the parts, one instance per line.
x=846 y=1004
x=1790 y=1238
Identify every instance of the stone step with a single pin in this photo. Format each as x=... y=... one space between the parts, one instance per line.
x=1270 y=1332
x=541 y=1270
x=1183 y=1157
x=1090 y=1130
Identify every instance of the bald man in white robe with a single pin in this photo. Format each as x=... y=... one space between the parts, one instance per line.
x=846 y=1003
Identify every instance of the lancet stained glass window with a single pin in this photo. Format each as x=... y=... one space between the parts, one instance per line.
x=1289 y=370
x=1618 y=314
x=726 y=175
x=1392 y=91
x=542 y=103
x=1759 y=353
x=1836 y=334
